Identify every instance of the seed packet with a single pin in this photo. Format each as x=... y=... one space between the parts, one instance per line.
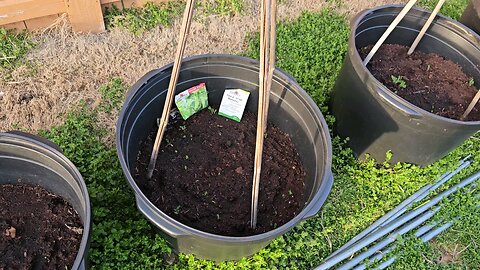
x=192 y=100
x=233 y=104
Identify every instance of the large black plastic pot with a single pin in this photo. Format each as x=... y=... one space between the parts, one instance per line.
x=471 y=16
x=375 y=118
x=25 y=158
x=291 y=109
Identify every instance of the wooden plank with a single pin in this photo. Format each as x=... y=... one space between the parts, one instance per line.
x=17 y=26
x=12 y=11
x=85 y=15
x=42 y=22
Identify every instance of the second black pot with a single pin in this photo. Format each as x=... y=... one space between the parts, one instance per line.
x=375 y=118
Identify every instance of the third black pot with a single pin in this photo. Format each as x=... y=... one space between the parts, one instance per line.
x=375 y=118
x=471 y=16
x=29 y=159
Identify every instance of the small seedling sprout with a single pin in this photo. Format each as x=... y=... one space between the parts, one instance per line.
x=398 y=80
x=471 y=82
x=212 y=110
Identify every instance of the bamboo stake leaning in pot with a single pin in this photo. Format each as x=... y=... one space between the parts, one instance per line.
x=187 y=19
x=267 y=59
x=471 y=106
x=389 y=30
x=426 y=26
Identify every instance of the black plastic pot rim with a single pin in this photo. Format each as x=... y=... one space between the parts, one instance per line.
x=454 y=26
x=87 y=222
x=233 y=239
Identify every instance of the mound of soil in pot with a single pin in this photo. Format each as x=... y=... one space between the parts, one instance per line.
x=38 y=230
x=204 y=171
x=430 y=81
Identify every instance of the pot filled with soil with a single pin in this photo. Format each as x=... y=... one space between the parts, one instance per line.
x=411 y=105
x=44 y=206
x=200 y=193
x=471 y=16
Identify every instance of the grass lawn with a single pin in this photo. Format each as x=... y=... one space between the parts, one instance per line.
x=311 y=49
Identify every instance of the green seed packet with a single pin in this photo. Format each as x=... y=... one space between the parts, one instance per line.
x=192 y=100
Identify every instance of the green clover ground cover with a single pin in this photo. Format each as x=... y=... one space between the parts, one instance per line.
x=311 y=49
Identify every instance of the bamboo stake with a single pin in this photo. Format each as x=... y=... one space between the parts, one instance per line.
x=187 y=19
x=271 y=58
x=426 y=26
x=471 y=106
x=267 y=46
x=260 y=113
x=389 y=30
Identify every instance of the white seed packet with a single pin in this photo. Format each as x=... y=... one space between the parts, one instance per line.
x=233 y=104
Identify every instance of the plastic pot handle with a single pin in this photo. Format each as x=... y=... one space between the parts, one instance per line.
x=35 y=138
x=166 y=226
x=321 y=199
x=402 y=108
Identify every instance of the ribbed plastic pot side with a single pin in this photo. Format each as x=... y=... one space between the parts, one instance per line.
x=291 y=109
x=377 y=120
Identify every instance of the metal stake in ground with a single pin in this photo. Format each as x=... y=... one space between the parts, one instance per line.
x=426 y=26
x=471 y=106
x=389 y=30
x=187 y=19
x=267 y=48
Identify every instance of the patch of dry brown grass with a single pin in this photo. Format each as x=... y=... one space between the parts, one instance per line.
x=70 y=67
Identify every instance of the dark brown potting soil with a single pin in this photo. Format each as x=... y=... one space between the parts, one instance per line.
x=432 y=82
x=38 y=230
x=203 y=176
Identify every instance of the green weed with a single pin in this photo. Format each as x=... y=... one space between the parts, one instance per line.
x=140 y=19
x=113 y=94
x=13 y=47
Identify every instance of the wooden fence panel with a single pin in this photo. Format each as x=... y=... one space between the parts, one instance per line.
x=17 y=26
x=42 y=22
x=85 y=15
x=12 y=11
